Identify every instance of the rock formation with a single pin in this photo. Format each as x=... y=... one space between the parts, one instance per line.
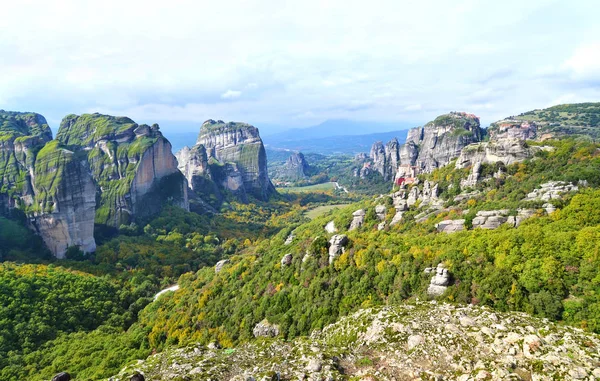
x=440 y=281
x=358 y=219
x=507 y=151
x=336 y=246
x=265 y=329
x=132 y=165
x=551 y=190
x=295 y=168
x=219 y=265
x=231 y=155
x=427 y=148
x=286 y=260
x=330 y=227
x=100 y=169
x=467 y=342
x=450 y=226
x=380 y=211
x=490 y=219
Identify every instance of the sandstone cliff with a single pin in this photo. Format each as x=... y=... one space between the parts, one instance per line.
x=231 y=155
x=295 y=168
x=100 y=169
x=132 y=166
x=429 y=147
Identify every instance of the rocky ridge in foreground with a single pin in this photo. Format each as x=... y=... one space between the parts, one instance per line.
x=424 y=340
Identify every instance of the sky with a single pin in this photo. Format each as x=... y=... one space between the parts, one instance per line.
x=282 y=64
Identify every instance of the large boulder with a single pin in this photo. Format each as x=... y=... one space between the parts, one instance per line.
x=450 y=226
x=62 y=376
x=440 y=280
x=336 y=246
x=358 y=219
x=265 y=329
x=219 y=265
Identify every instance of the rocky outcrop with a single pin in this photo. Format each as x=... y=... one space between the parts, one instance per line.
x=440 y=281
x=507 y=151
x=265 y=329
x=513 y=129
x=522 y=214
x=236 y=156
x=358 y=219
x=443 y=139
x=550 y=191
x=295 y=168
x=65 y=206
x=330 y=227
x=427 y=148
x=490 y=219
x=450 y=226
x=380 y=211
x=62 y=376
x=336 y=246
x=52 y=184
x=286 y=260
x=421 y=340
x=219 y=265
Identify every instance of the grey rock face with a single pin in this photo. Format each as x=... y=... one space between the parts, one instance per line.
x=440 y=281
x=265 y=329
x=219 y=266
x=289 y=239
x=239 y=143
x=380 y=211
x=443 y=139
x=330 y=227
x=358 y=219
x=295 y=168
x=336 y=246
x=513 y=129
x=492 y=219
x=450 y=226
x=507 y=151
x=551 y=190
x=286 y=260
x=71 y=220
x=62 y=376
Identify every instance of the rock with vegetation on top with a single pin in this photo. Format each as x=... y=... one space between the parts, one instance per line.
x=490 y=219
x=133 y=168
x=237 y=159
x=380 y=211
x=296 y=168
x=286 y=260
x=551 y=190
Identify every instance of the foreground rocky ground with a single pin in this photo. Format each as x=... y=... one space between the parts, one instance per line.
x=423 y=340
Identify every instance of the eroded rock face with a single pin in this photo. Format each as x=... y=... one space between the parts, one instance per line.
x=67 y=209
x=507 y=151
x=490 y=219
x=380 y=211
x=450 y=226
x=336 y=246
x=238 y=143
x=330 y=227
x=132 y=165
x=358 y=219
x=295 y=168
x=443 y=139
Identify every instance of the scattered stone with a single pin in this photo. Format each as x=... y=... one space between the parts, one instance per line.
x=314 y=366
x=414 y=340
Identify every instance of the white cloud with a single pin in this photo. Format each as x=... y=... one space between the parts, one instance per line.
x=291 y=63
x=231 y=94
